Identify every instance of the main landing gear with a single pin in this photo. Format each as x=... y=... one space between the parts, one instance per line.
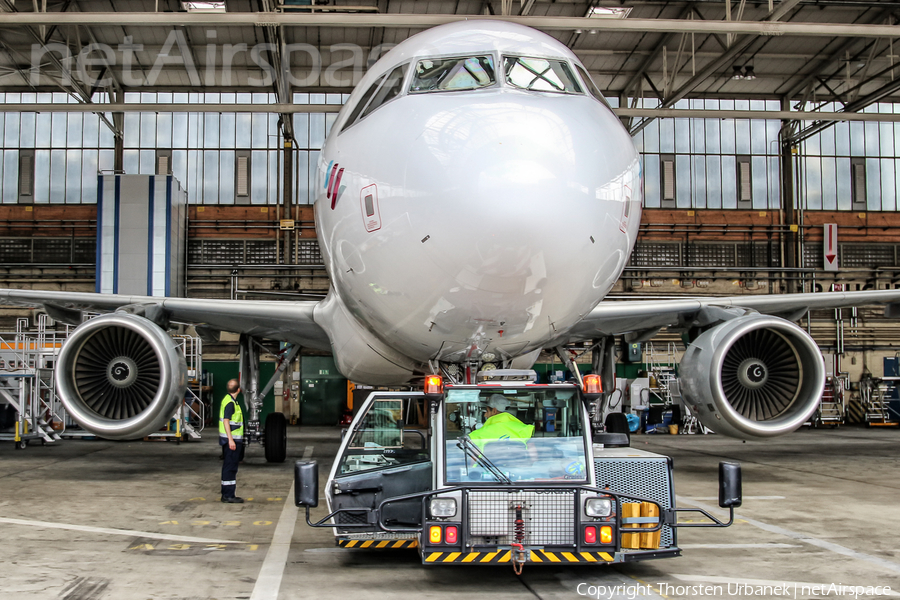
x=273 y=436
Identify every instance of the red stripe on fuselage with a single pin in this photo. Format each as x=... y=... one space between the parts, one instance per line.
x=337 y=188
x=331 y=182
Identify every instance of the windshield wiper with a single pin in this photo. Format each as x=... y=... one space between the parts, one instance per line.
x=473 y=452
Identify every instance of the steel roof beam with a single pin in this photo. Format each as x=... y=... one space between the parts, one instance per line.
x=581 y=52
x=816 y=69
x=273 y=36
x=852 y=107
x=654 y=54
x=74 y=86
x=153 y=19
x=736 y=50
x=669 y=113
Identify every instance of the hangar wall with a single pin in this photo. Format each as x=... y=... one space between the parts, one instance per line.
x=235 y=158
x=714 y=221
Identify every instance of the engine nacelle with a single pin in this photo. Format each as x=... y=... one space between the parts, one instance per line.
x=753 y=377
x=121 y=376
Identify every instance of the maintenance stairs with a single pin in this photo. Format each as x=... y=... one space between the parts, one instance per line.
x=831 y=409
x=661 y=369
x=190 y=417
x=875 y=397
x=29 y=407
x=664 y=385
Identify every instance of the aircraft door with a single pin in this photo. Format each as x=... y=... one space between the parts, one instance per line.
x=385 y=454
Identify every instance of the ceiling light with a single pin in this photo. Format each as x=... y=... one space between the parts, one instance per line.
x=737 y=73
x=608 y=12
x=748 y=72
x=211 y=6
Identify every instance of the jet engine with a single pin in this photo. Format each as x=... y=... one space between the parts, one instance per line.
x=753 y=377
x=120 y=376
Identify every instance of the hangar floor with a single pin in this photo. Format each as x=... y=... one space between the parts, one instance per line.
x=90 y=520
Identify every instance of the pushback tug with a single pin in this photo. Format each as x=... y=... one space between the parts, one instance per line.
x=413 y=472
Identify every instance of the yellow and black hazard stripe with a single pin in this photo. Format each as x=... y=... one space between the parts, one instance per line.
x=378 y=544
x=856 y=413
x=505 y=556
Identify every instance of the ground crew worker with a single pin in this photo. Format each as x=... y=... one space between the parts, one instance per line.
x=231 y=438
x=499 y=424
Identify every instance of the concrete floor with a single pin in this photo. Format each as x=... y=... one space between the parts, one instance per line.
x=85 y=520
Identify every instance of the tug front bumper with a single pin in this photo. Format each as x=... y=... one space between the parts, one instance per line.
x=547 y=557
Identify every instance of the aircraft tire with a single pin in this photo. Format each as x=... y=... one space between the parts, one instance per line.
x=276 y=438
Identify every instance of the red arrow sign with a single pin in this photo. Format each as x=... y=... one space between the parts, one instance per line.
x=831 y=246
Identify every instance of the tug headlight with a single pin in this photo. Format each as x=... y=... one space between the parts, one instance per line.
x=598 y=507
x=443 y=507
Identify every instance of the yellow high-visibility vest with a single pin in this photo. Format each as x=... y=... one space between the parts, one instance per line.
x=236 y=421
x=503 y=427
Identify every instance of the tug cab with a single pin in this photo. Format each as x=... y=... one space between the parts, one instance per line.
x=504 y=471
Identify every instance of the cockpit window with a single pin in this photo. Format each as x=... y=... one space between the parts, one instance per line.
x=386 y=88
x=388 y=91
x=591 y=86
x=361 y=104
x=453 y=74
x=540 y=74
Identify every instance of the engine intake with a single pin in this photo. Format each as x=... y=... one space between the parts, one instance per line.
x=120 y=376
x=753 y=377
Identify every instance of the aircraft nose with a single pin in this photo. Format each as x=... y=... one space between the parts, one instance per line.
x=498 y=161
x=519 y=188
x=512 y=168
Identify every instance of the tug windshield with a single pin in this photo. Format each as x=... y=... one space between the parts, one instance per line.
x=508 y=435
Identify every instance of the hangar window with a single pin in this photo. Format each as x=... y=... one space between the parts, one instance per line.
x=667 y=170
x=540 y=74
x=242 y=176
x=591 y=86
x=388 y=91
x=453 y=74
x=26 y=176
x=858 y=184
x=164 y=162
x=242 y=188
x=744 y=182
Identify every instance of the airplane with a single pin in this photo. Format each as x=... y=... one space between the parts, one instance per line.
x=477 y=199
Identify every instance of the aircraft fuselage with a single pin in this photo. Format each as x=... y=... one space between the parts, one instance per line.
x=460 y=224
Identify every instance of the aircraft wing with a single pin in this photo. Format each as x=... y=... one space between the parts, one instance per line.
x=285 y=321
x=649 y=316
